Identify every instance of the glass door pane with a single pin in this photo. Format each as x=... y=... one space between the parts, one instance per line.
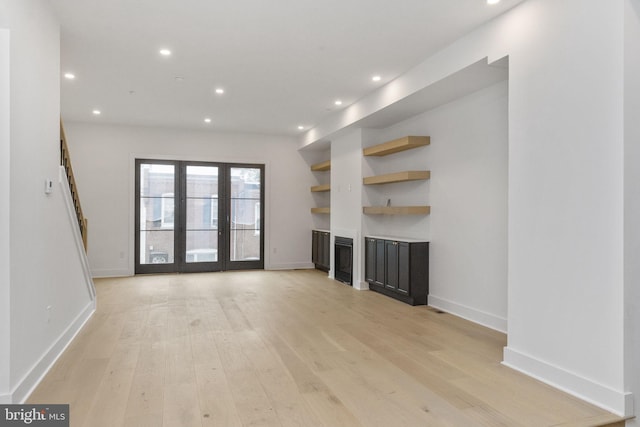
x=245 y=226
x=157 y=213
x=202 y=214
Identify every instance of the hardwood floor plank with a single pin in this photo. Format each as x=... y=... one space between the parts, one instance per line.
x=179 y=366
x=251 y=401
x=320 y=400
x=214 y=396
x=280 y=389
x=82 y=388
x=181 y=406
x=110 y=402
x=146 y=396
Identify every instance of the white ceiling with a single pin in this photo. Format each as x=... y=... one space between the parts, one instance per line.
x=282 y=63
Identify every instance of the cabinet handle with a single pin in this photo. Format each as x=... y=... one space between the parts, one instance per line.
x=395 y=243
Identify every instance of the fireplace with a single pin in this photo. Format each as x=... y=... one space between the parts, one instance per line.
x=343 y=266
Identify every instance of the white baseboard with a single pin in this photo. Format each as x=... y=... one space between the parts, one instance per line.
x=29 y=382
x=290 y=266
x=618 y=402
x=107 y=273
x=5 y=399
x=104 y=273
x=361 y=286
x=477 y=316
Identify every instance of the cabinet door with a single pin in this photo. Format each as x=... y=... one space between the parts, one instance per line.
x=314 y=247
x=380 y=261
x=391 y=264
x=320 y=249
x=326 y=250
x=370 y=260
x=403 y=268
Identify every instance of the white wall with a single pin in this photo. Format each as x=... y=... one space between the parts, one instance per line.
x=565 y=197
x=103 y=158
x=467 y=192
x=632 y=199
x=49 y=300
x=5 y=191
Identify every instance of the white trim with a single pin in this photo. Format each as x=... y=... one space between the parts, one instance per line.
x=477 y=316
x=31 y=380
x=618 y=402
x=75 y=230
x=291 y=266
x=361 y=286
x=102 y=273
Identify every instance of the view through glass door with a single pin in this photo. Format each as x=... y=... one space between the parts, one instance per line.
x=194 y=216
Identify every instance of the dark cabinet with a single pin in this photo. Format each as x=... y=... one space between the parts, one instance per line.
x=321 y=249
x=399 y=269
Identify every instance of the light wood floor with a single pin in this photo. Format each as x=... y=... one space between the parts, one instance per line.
x=289 y=349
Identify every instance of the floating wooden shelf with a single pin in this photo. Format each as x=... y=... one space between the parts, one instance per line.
x=397 y=145
x=321 y=210
x=321 y=167
x=321 y=188
x=397 y=177
x=396 y=210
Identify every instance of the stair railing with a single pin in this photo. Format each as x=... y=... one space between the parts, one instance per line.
x=65 y=161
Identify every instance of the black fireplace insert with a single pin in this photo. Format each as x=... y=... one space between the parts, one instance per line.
x=344 y=260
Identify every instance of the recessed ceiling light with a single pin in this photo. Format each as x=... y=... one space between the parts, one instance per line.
x=493 y=1
x=69 y=76
x=300 y=127
x=219 y=91
x=179 y=78
x=165 y=52
x=376 y=78
x=338 y=102
x=207 y=120
x=96 y=112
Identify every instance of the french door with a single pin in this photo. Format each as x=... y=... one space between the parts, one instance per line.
x=196 y=216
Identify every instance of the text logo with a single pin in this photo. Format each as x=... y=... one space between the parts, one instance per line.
x=34 y=415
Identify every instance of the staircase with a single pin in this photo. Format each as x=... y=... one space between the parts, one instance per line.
x=65 y=161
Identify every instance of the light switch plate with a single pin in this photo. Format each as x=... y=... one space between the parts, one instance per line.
x=48 y=186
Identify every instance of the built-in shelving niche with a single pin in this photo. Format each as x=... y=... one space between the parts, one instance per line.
x=385 y=149
x=321 y=188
